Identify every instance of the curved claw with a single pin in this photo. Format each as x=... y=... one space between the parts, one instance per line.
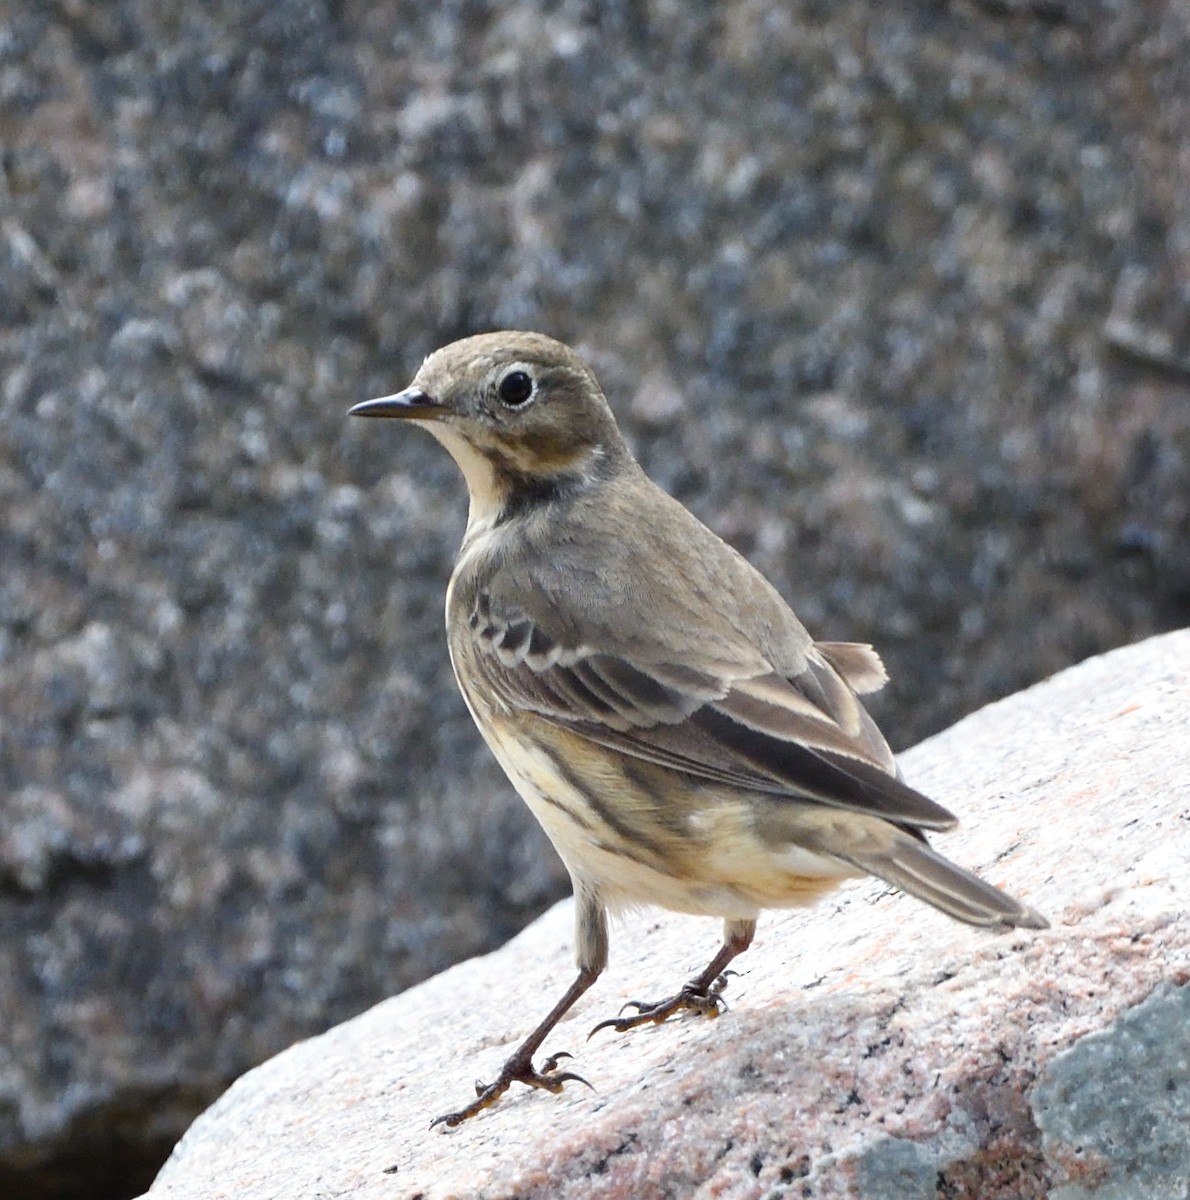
x=721 y=981
x=610 y=1023
x=554 y=1082
x=514 y=1071
x=709 y=1003
x=485 y=1098
x=551 y=1063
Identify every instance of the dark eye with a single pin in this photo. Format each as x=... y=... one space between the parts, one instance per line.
x=515 y=388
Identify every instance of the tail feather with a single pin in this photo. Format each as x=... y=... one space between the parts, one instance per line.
x=917 y=868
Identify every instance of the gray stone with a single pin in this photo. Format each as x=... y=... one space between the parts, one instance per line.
x=1114 y=1109
x=897 y=1169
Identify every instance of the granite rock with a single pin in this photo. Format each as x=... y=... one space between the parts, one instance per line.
x=872 y=1048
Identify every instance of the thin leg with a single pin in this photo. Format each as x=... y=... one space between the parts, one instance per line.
x=591 y=937
x=703 y=994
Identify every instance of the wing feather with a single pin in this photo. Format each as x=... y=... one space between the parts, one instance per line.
x=805 y=736
x=858 y=663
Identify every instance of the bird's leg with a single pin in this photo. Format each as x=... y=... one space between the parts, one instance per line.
x=591 y=923
x=519 y=1067
x=701 y=995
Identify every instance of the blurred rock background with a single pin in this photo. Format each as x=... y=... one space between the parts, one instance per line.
x=896 y=297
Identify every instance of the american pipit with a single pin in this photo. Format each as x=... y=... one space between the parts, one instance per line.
x=669 y=721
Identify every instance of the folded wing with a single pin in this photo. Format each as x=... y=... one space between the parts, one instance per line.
x=742 y=724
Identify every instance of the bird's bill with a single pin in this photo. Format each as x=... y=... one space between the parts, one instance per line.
x=412 y=404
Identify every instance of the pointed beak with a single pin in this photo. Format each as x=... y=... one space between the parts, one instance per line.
x=412 y=404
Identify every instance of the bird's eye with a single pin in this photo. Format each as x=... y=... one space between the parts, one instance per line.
x=515 y=388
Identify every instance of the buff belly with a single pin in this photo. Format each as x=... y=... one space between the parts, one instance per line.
x=638 y=833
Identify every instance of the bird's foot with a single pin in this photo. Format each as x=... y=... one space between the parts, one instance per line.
x=696 y=997
x=518 y=1069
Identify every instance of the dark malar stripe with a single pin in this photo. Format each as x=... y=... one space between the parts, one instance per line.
x=526 y=493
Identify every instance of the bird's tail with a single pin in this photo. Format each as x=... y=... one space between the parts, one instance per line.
x=914 y=866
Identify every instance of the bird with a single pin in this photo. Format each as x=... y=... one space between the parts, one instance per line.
x=678 y=733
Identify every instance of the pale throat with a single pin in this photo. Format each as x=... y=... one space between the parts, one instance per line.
x=484 y=486
x=487 y=485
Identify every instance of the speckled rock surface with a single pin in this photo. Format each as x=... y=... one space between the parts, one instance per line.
x=893 y=295
x=1114 y=1109
x=873 y=1048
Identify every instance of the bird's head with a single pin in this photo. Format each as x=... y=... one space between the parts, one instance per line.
x=520 y=413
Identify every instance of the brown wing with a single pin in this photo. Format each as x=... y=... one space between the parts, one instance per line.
x=805 y=736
